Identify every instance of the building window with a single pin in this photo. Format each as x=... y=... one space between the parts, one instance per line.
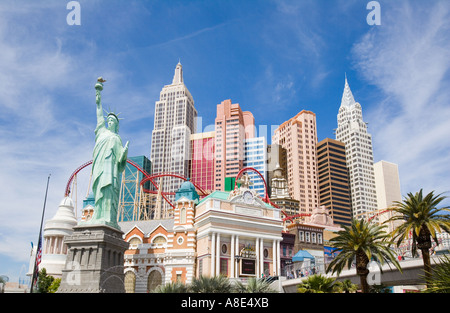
x=130 y=282
x=224 y=266
x=200 y=267
x=319 y=238
x=301 y=236
x=224 y=249
x=180 y=240
x=307 y=236
x=159 y=240
x=154 y=280
x=183 y=216
x=134 y=242
x=266 y=268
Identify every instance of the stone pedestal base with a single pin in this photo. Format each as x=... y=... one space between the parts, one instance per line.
x=94 y=261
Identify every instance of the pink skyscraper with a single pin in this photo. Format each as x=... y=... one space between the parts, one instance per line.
x=202 y=160
x=233 y=126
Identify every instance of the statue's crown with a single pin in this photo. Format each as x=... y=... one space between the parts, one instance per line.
x=111 y=113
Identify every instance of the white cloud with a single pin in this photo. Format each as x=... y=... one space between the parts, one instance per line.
x=408 y=59
x=47 y=116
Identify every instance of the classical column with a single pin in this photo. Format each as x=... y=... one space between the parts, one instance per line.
x=237 y=253
x=274 y=257
x=213 y=249
x=232 y=250
x=278 y=258
x=61 y=245
x=258 y=259
x=261 y=251
x=218 y=255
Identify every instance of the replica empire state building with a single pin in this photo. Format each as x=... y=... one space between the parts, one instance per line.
x=175 y=121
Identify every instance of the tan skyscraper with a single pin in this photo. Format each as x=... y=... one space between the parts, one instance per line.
x=299 y=137
x=232 y=127
x=387 y=182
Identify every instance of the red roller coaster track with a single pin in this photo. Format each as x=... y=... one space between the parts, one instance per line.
x=147 y=177
x=150 y=178
x=379 y=213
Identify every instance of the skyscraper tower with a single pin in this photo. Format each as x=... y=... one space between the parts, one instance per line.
x=334 y=190
x=203 y=160
x=352 y=131
x=175 y=121
x=233 y=126
x=298 y=136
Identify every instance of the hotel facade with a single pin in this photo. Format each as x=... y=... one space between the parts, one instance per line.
x=235 y=234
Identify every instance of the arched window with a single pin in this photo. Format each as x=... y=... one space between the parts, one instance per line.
x=183 y=216
x=159 y=240
x=134 y=242
x=130 y=282
x=154 y=280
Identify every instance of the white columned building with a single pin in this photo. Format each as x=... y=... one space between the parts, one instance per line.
x=238 y=235
x=54 y=251
x=352 y=131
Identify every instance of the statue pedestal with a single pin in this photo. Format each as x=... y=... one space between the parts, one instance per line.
x=94 y=261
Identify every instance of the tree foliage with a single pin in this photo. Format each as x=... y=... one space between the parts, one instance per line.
x=421 y=221
x=317 y=284
x=361 y=242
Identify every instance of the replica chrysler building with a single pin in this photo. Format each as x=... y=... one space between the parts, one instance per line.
x=175 y=121
x=352 y=131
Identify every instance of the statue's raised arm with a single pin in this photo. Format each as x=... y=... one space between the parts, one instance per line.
x=98 y=100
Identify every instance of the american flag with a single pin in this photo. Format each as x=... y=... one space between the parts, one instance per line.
x=39 y=253
x=38 y=261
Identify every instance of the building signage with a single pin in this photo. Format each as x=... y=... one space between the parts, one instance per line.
x=248 y=211
x=248 y=267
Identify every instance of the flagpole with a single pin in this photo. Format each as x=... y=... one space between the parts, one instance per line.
x=40 y=236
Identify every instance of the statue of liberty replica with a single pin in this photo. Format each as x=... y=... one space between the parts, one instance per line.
x=109 y=161
x=95 y=257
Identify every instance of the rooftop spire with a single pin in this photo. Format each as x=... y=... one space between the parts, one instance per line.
x=178 y=77
x=347 y=97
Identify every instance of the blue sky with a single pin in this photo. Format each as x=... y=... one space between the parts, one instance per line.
x=274 y=58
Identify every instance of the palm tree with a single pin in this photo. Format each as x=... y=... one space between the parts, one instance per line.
x=316 y=284
x=215 y=284
x=361 y=241
x=440 y=282
x=253 y=286
x=172 y=287
x=423 y=220
x=345 y=286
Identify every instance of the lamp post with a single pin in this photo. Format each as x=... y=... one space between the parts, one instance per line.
x=238 y=259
